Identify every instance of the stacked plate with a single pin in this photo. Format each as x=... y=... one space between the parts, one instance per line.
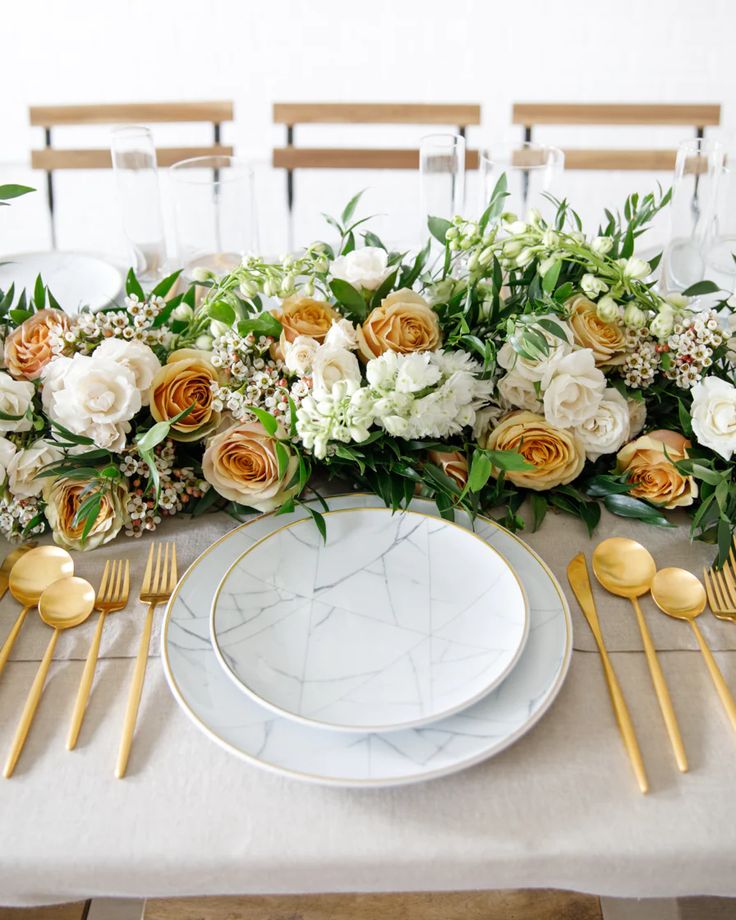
x=400 y=648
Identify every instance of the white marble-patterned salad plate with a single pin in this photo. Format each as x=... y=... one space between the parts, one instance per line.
x=74 y=278
x=392 y=621
x=260 y=737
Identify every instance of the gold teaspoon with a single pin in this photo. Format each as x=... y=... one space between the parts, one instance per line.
x=29 y=577
x=679 y=594
x=64 y=604
x=626 y=568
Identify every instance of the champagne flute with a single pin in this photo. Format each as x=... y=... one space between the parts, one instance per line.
x=532 y=171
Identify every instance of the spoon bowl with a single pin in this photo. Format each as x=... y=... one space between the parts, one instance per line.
x=624 y=567
x=678 y=593
x=36 y=570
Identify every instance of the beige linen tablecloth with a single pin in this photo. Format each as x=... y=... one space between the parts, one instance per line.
x=560 y=808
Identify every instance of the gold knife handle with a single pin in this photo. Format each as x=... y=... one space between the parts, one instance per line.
x=85 y=685
x=134 y=696
x=12 y=636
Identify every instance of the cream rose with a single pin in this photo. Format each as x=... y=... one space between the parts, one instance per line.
x=535 y=369
x=341 y=334
x=302 y=316
x=648 y=463
x=608 y=429
x=574 y=391
x=63 y=498
x=7 y=452
x=242 y=465
x=556 y=454
x=16 y=397
x=185 y=380
x=299 y=354
x=137 y=357
x=713 y=415
x=28 y=348
x=605 y=340
x=517 y=392
x=25 y=466
x=452 y=463
x=331 y=365
x=363 y=268
x=91 y=396
x=637 y=415
x=403 y=323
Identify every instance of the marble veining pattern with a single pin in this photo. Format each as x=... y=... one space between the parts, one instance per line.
x=394 y=620
x=256 y=734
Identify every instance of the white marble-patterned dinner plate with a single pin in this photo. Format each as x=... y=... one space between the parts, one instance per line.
x=393 y=620
x=75 y=279
x=259 y=736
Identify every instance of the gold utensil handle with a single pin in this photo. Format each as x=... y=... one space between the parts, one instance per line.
x=623 y=717
x=663 y=693
x=134 y=697
x=85 y=685
x=727 y=699
x=29 y=710
x=12 y=636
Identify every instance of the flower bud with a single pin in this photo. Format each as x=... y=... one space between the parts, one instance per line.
x=607 y=310
x=218 y=329
x=663 y=323
x=248 y=289
x=602 y=245
x=592 y=286
x=512 y=249
x=183 y=313
x=534 y=217
x=634 y=317
x=200 y=274
x=473 y=262
x=525 y=257
x=636 y=269
x=678 y=301
x=485 y=257
x=517 y=228
x=204 y=343
x=550 y=239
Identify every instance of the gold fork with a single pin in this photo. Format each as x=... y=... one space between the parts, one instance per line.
x=112 y=596
x=158 y=586
x=721 y=589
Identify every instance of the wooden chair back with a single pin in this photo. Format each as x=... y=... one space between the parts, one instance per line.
x=696 y=116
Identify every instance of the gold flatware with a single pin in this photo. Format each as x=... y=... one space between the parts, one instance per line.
x=8 y=563
x=158 y=586
x=64 y=604
x=626 y=568
x=111 y=597
x=577 y=574
x=29 y=578
x=679 y=594
x=721 y=589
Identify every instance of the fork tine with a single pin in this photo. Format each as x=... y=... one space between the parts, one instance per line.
x=110 y=593
x=118 y=581
x=146 y=586
x=126 y=583
x=709 y=592
x=722 y=589
x=173 y=572
x=157 y=577
x=717 y=590
x=729 y=574
x=103 y=583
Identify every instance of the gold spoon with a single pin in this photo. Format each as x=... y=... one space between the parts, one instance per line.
x=30 y=576
x=679 y=594
x=626 y=568
x=64 y=604
x=8 y=563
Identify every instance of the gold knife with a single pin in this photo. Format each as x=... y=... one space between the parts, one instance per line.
x=8 y=563
x=577 y=574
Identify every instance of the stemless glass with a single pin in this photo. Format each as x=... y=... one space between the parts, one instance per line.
x=695 y=188
x=136 y=174
x=532 y=170
x=442 y=175
x=214 y=212
x=719 y=235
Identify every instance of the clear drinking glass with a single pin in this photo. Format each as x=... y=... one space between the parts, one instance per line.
x=136 y=173
x=214 y=212
x=719 y=234
x=699 y=172
x=531 y=171
x=442 y=176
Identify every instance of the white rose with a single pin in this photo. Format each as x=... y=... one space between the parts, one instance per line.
x=15 y=399
x=637 y=415
x=609 y=429
x=636 y=269
x=25 y=466
x=574 y=391
x=137 y=357
x=332 y=365
x=535 y=369
x=592 y=286
x=416 y=372
x=7 y=451
x=91 y=396
x=713 y=414
x=517 y=392
x=300 y=354
x=363 y=268
x=341 y=334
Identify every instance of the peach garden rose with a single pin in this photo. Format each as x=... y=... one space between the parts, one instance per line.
x=28 y=348
x=648 y=463
x=63 y=498
x=302 y=316
x=404 y=322
x=606 y=340
x=186 y=379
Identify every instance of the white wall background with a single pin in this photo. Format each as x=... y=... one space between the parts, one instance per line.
x=85 y=51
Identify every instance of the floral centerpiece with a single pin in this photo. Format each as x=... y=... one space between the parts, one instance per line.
x=508 y=360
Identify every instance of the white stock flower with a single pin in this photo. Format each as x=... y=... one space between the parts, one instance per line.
x=331 y=365
x=299 y=354
x=381 y=372
x=363 y=268
x=713 y=414
x=416 y=372
x=15 y=398
x=517 y=392
x=607 y=430
x=574 y=391
x=137 y=357
x=636 y=269
x=25 y=466
x=7 y=452
x=91 y=396
x=592 y=286
x=535 y=369
x=341 y=334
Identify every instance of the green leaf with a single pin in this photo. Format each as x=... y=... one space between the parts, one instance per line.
x=346 y=294
x=480 y=471
x=509 y=460
x=222 y=312
x=7 y=300
x=701 y=287
x=39 y=293
x=270 y=424
x=371 y=239
x=263 y=324
x=550 y=277
x=725 y=536
x=7 y=417
x=629 y=507
x=14 y=191
x=707 y=475
x=69 y=435
x=146 y=441
x=19 y=315
x=318 y=520
x=166 y=284
x=600 y=486
x=132 y=286
x=282 y=455
x=384 y=289
x=438 y=227
x=539 y=510
x=349 y=209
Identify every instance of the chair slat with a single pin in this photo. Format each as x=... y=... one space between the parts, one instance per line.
x=692 y=114
x=49 y=116
x=352 y=158
x=646 y=160
x=52 y=159
x=334 y=113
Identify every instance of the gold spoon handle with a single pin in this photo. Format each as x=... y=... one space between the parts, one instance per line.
x=134 y=697
x=660 y=687
x=85 y=685
x=29 y=710
x=623 y=717
x=715 y=672
x=12 y=636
